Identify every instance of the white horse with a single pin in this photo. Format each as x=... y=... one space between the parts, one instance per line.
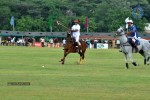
x=127 y=49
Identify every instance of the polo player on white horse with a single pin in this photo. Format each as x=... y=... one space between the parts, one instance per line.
x=127 y=49
x=132 y=35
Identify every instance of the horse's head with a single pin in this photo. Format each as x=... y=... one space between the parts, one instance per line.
x=120 y=31
x=68 y=34
x=69 y=37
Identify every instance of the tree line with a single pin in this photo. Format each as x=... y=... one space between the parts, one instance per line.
x=103 y=15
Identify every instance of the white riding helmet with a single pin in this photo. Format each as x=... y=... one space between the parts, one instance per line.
x=129 y=21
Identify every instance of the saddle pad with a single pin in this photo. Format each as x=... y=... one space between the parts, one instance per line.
x=137 y=42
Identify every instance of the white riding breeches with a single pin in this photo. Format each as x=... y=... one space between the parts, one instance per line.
x=76 y=36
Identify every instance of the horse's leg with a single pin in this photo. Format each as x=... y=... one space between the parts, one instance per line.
x=80 y=51
x=125 y=56
x=83 y=52
x=65 y=54
x=147 y=57
x=144 y=55
x=63 y=59
x=131 y=59
x=81 y=57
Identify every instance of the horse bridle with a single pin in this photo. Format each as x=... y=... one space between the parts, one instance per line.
x=120 y=32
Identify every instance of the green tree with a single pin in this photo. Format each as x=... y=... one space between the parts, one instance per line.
x=111 y=14
x=30 y=24
x=104 y=15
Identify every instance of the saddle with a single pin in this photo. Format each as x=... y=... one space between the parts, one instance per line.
x=134 y=44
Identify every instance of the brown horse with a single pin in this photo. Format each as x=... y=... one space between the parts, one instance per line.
x=70 y=48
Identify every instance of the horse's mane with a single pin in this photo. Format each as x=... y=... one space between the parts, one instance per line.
x=69 y=38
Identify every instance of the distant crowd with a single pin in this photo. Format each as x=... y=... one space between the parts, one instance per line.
x=30 y=41
x=53 y=42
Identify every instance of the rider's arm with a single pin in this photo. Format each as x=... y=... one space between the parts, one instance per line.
x=132 y=30
x=74 y=30
x=128 y=33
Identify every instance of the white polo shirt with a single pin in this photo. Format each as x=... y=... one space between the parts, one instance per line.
x=76 y=27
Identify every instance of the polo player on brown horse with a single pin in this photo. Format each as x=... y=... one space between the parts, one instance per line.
x=73 y=43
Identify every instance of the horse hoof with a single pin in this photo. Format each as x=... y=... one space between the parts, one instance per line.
x=81 y=62
x=126 y=67
x=135 y=64
x=61 y=59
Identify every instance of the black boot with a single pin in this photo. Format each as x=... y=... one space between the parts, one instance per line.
x=76 y=46
x=134 y=46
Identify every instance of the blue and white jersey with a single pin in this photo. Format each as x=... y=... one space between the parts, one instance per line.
x=134 y=31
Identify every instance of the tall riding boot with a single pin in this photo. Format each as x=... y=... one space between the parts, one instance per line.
x=134 y=46
x=76 y=46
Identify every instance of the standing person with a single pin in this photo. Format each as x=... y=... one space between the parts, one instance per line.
x=75 y=29
x=88 y=42
x=55 y=42
x=64 y=42
x=42 y=41
x=9 y=40
x=132 y=35
x=51 y=42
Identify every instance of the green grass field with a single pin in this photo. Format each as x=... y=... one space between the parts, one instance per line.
x=102 y=76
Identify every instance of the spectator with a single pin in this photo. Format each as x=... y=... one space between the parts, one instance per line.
x=3 y=42
x=113 y=43
x=51 y=41
x=88 y=42
x=64 y=42
x=42 y=41
x=13 y=41
x=26 y=41
x=33 y=43
x=55 y=42
x=95 y=43
x=8 y=40
x=92 y=43
x=30 y=41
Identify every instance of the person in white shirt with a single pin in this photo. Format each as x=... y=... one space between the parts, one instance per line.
x=42 y=41
x=75 y=29
x=51 y=41
x=64 y=42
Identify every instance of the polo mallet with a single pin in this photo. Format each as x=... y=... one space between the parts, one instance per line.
x=58 y=23
x=126 y=21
